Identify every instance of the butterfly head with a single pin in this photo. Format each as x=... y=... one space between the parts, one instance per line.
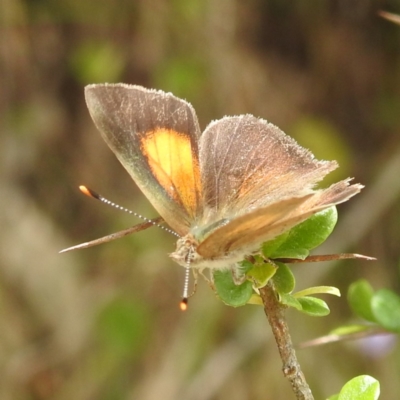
x=186 y=251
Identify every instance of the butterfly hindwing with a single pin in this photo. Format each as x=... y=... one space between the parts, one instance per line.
x=250 y=230
x=247 y=163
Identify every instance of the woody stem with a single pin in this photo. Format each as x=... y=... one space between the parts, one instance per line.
x=275 y=312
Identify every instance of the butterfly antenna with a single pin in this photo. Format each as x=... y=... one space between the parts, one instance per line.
x=91 y=193
x=185 y=297
x=184 y=302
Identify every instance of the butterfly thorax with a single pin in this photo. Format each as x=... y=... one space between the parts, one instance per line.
x=187 y=255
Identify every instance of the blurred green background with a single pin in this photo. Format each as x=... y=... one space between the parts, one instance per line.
x=104 y=323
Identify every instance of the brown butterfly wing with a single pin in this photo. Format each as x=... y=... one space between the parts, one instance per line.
x=250 y=230
x=155 y=137
x=247 y=163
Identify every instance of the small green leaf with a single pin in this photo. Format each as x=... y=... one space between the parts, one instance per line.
x=230 y=293
x=290 y=301
x=245 y=266
x=362 y=387
x=318 y=290
x=269 y=248
x=349 y=329
x=255 y=299
x=386 y=308
x=284 y=280
x=313 y=306
x=304 y=237
x=260 y=274
x=359 y=297
x=290 y=249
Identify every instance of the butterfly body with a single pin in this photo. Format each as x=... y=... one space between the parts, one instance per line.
x=238 y=184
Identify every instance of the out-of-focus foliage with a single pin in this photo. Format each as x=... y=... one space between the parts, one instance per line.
x=381 y=307
x=360 y=388
x=104 y=322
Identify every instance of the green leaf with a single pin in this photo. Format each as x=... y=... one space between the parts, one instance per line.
x=284 y=279
x=313 y=306
x=246 y=266
x=231 y=294
x=290 y=301
x=359 y=296
x=362 y=387
x=318 y=290
x=269 y=248
x=386 y=308
x=303 y=237
x=349 y=329
x=260 y=274
x=255 y=299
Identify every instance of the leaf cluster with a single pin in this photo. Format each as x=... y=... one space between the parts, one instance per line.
x=261 y=268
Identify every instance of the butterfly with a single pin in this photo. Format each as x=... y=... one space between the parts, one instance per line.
x=225 y=191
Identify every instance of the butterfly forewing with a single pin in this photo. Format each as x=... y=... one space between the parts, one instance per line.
x=155 y=137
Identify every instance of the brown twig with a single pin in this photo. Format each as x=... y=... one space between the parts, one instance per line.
x=291 y=368
x=326 y=257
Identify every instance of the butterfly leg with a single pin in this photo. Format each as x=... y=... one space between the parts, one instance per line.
x=195 y=280
x=209 y=279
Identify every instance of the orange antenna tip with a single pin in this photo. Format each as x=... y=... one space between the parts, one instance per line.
x=84 y=190
x=88 y=192
x=183 y=305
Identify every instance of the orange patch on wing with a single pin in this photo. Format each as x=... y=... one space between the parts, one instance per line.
x=253 y=181
x=172 y=162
